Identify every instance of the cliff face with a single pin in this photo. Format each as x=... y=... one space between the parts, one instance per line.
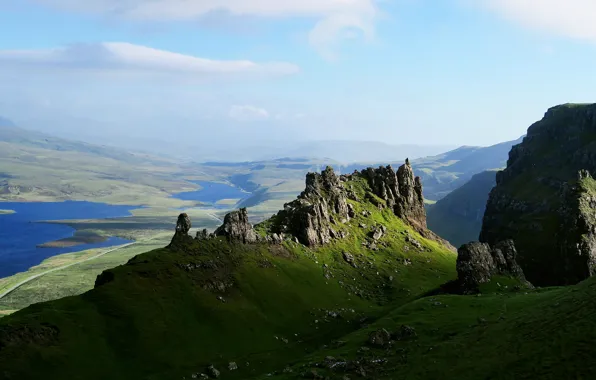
x=544 y=199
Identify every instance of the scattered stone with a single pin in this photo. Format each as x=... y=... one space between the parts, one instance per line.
x=378 y=232
x=349 y=258
x=213 y=372
x=405 y=332
x=232 y=366
x=351 y=211
x=414 y=242
x=220 y=298
x=379 y=338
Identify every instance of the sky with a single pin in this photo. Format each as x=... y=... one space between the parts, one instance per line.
x=240 y=72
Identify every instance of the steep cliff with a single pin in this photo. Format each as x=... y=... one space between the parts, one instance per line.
x=544 y=198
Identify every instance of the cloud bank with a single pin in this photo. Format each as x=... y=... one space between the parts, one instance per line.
x=332 y=17
x=248 y=113
x=133 y=59
x=570 y=18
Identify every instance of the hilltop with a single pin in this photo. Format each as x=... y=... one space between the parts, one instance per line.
x=544 y=199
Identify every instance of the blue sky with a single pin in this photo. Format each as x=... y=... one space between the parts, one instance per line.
x=441 y=72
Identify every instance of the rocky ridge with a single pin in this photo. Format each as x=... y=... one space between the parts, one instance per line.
x=543 y=199
x=316 y=217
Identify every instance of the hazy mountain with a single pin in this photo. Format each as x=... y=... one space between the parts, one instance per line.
x=446 y=172
x=458 y=216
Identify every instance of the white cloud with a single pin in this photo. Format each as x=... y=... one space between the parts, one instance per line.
x=133 y=59
x=570 y=18
x=248 y=113
x=332 y=16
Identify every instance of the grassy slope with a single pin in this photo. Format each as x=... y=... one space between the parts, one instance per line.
x=155 y=320
x=458 y=216
x=544 y=334
x=70 y=281
x=80 y=278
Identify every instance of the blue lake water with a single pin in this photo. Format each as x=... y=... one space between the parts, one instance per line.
x=19 y=235
x=211 y=192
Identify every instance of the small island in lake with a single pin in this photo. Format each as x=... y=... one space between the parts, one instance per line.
x=79 y=238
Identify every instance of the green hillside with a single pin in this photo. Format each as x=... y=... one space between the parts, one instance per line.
x=458 y=216
x=172 y=312
x=361 y=297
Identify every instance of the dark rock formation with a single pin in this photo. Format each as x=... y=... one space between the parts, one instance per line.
x=379 y=338
x=309 y=217
x=543 y=198
x=237 y=227
x=317 y=216
x=477 y=263
x=183 y=225
x=203 y=235
x=401 y=191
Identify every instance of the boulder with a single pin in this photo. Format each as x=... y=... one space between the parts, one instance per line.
x=236 y=227
x=477 y=263
x=379 y=338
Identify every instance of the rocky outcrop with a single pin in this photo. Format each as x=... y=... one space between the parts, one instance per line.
x=477 y=263
x=310 y=217
x=401 y=191
x=183 y=226
x=543 y=203
x=236 y=227
x=317 y=216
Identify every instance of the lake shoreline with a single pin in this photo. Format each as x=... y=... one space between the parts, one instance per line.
x=78 y=238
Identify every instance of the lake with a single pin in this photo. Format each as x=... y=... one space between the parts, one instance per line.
x=211 y=192
x=19 y=235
